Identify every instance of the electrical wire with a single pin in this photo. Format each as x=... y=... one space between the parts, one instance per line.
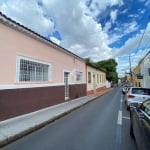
x=146 y=46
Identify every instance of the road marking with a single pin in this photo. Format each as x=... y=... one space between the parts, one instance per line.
x=126 y=117
x=119 y=121
x=119 y=126
x=121 y=100
x=118 y=138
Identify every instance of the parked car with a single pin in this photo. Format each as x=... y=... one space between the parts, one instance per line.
x=140 y=125
x=136 y=95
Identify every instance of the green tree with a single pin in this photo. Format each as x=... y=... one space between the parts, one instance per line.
x=110 y=67
x=93 y=64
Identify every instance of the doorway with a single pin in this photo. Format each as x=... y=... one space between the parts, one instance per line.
x=66 y=83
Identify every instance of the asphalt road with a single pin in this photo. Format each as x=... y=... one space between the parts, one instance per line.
x=102 y=124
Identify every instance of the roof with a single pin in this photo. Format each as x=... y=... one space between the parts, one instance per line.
x=94 y=66
x=13 y=24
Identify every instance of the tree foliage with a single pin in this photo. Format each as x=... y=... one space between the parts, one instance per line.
x=93 y=64
x=110 y=67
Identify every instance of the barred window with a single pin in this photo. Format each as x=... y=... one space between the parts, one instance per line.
x=79 y=76
x=97 y=78
x=89 y=77
x=33 y=71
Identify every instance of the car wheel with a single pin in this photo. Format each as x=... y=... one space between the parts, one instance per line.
x=131 y=132
x=131 y=127
x=125 y=102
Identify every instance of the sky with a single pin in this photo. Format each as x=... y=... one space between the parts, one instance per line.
x=95 y=29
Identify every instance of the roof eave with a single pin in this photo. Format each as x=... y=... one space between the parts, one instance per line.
x=11 y=23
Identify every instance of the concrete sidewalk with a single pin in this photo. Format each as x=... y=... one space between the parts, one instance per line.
x=17 y=127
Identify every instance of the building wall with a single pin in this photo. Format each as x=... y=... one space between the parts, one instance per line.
x=17 y=98
x=14 y=102
x=136 y=81
x=144 y=66
x=19 y=44
x=98 y=80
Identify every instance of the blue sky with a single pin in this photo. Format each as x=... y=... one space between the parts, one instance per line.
x=98 y=29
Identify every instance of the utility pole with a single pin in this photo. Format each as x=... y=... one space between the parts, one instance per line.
x=131 y=81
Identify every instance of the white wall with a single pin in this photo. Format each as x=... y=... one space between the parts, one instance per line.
x=144 y=70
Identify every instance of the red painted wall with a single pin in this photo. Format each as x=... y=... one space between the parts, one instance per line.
x=17 y=102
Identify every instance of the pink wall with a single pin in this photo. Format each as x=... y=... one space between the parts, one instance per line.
x=28 y=96
x=13 y=43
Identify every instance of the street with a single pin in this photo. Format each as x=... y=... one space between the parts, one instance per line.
x=102 y=124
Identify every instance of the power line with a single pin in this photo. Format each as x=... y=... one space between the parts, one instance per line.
x=139 y=43
x=146 y=46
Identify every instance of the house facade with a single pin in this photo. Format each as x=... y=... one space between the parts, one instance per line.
x=145 y=70
x=136 y=80
x=96 y=80
x=35 y=73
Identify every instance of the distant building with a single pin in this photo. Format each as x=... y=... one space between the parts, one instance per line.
x=145 y=70
x=127 y=79
x=137 y=81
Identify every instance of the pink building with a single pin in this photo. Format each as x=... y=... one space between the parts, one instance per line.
x=35 y=73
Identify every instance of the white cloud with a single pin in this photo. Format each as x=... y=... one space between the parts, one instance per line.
x=122 y=30
x=133 y=42
x=98 y=6
x=130 y=27
x=133 y=48
x=80 y=33
x=147 y=3
x=79 y=30
x=124 y=11
x=55 y=40
x=123 y=61
x=107 y=27
x=113 y=15
x=28 y=14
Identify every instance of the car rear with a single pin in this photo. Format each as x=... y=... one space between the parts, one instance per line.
x=136 y=96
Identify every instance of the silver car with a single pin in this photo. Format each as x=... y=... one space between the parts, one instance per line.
x=140 y=125
x=136 y=95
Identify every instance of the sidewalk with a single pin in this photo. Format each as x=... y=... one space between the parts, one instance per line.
x=17 y=127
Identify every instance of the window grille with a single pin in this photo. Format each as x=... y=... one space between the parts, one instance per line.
x=89 y=77
x=33 y=71
x=79 y=76
x=98 y=78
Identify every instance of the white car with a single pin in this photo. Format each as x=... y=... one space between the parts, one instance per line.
x=136 y=95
